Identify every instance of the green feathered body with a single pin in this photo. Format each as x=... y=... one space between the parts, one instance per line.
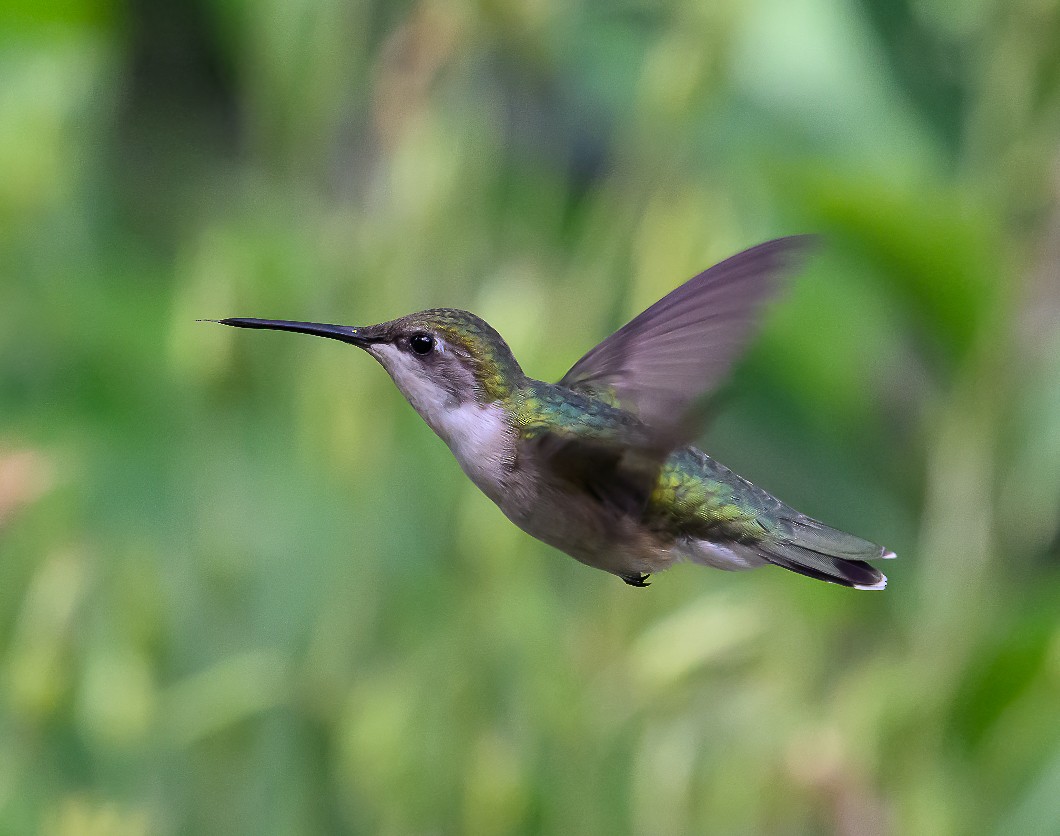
x=682 y=505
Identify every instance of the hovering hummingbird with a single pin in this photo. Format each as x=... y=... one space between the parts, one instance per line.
x=600 y=464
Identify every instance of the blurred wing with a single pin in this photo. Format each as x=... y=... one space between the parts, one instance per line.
x=620 y=477
x=659 y=364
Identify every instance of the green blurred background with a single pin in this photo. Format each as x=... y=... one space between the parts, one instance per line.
x=243 y=589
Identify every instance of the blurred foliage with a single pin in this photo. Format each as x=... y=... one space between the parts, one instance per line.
x=244 y=590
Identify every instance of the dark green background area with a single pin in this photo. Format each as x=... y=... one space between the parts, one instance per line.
x=243 y=588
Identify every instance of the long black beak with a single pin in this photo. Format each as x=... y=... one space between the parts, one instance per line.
x=343 y=333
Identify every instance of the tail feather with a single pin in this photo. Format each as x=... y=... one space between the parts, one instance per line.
x=854 y=573
x=813 y=549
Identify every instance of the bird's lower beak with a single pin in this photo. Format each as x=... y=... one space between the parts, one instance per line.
x=343 y=333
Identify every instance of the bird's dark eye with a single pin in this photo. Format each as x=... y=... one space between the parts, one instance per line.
x=421 y=343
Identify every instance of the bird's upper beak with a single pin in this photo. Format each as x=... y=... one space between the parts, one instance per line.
x=362 y=337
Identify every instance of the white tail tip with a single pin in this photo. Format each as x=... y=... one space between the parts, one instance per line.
x=880 y=584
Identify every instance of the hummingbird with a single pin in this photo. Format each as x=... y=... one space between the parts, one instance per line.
x=602 y=464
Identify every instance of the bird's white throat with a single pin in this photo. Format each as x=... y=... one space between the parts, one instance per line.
x=480 y=435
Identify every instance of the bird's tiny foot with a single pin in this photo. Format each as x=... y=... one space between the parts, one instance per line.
x=638 y=579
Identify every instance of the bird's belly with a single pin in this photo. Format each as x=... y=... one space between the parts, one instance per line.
x=576 y=526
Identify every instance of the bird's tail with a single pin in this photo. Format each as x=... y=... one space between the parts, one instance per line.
x=811 y=548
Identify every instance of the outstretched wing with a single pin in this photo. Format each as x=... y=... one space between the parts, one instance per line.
x=660 y=363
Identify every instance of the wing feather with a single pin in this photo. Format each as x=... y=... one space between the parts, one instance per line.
x=664 y=360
